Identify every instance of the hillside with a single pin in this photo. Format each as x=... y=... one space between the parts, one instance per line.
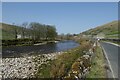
x=110 y=30
x=8 y=31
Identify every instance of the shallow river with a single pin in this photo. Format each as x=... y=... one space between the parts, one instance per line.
x=17 y=51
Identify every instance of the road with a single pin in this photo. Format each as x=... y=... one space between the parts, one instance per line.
x=111 y=52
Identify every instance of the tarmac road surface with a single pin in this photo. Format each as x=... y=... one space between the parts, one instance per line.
x=111 y=52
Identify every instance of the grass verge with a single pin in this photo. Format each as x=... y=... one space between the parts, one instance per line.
x=98 y=65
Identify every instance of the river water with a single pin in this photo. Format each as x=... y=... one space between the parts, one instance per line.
x=17 y=51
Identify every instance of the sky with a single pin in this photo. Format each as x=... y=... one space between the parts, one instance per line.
x=60 y=0
x=68 y=17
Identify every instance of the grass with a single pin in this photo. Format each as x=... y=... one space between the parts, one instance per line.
x=107 y=29
x=98 y=65
x=44 y=70
x=6 y=35
x=116 y=36
x=113 y=33
x=116 y=42
x=62 y=65
x=58 y=67
x=7 y=31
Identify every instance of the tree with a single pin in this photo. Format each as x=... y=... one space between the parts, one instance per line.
x=38 y=31
x=23 y=32
x=68 y=36
x=62 y=36
x=33 y=30
x=51 y=32
x=15 y=30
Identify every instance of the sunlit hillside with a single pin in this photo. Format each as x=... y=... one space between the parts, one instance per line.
x=110 y=30
x=8 y=31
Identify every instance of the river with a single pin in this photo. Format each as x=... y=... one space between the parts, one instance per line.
x=18 y=51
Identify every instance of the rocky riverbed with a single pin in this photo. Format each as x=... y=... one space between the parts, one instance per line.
x=25 y=67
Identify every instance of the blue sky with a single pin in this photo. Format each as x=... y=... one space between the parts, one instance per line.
x=60 y=0
x=73 y=17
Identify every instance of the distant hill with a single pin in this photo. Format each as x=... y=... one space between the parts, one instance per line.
x=110 y=30
x=8 y=31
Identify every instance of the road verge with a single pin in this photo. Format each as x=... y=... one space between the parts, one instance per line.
x=98 y=69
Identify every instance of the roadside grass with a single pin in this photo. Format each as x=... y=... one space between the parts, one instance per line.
x=62 y=64
x=98 y=65
x=116 y=42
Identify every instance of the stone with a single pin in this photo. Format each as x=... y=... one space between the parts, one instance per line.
x=24 y=67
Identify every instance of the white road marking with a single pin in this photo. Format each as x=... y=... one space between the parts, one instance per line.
x=112 y=43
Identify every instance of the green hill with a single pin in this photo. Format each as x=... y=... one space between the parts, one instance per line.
x=7 y=31
x=110 y=30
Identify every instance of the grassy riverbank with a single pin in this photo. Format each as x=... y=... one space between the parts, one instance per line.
x=25 y=42
x=98 y=65
x=62 y=64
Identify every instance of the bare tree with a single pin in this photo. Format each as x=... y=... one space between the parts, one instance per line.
x=23 y=30
x=15 y=30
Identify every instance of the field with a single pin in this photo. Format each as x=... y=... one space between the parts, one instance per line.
x=7 y=31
